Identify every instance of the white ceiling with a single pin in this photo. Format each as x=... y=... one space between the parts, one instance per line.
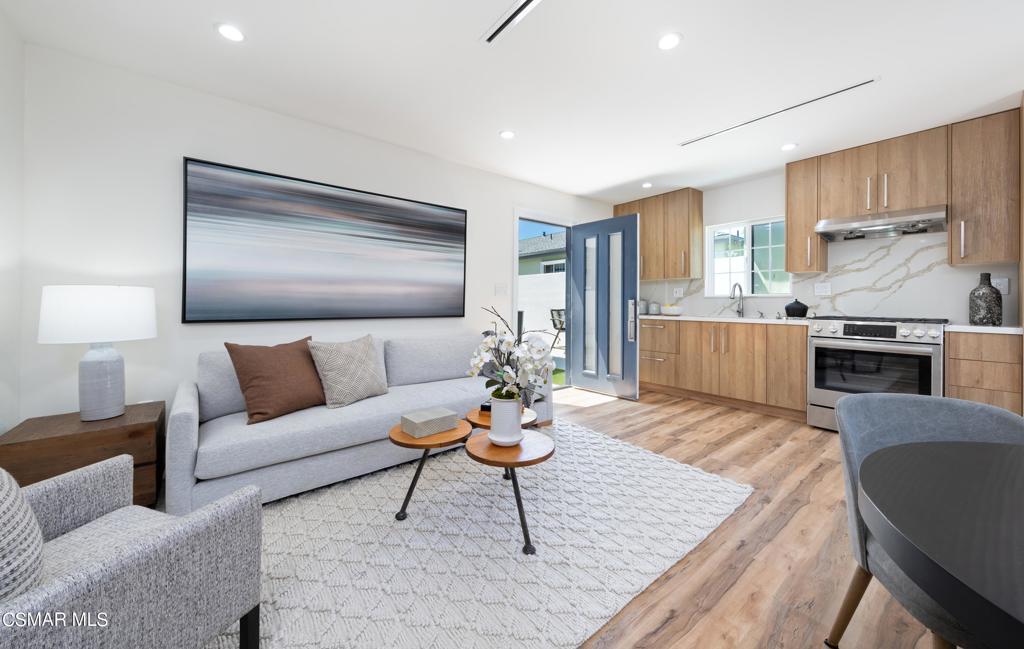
x=596 y=106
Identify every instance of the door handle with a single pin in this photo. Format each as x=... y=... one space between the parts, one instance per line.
x=962 y=248
x=867 y=198
x=885 y=190
x=631 y=320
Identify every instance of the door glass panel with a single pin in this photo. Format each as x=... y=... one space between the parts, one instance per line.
x=590 y=305
x=855 y=372
x=615 y=304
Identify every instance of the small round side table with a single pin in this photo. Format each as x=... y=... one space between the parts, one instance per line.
x=534 y=449
x=399 y=437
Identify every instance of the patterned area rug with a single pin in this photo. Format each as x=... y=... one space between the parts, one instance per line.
x=607 y=518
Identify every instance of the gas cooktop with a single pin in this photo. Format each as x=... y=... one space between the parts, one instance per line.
x=853 y=318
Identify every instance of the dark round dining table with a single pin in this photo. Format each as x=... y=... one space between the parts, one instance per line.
x=951 y=515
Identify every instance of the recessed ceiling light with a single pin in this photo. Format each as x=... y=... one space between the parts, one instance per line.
x=647 y=185
x=231 y=33
x=669 y=41
x=789 y=146
x=507 y=135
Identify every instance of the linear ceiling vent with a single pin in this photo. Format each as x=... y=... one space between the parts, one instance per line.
x=511 y=18
x=778 y=112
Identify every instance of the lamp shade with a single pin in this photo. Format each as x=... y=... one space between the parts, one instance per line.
x=96 y=314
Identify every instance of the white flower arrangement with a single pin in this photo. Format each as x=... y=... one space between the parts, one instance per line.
x=516 y=366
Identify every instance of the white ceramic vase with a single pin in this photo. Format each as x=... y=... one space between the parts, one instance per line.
x=506 y=429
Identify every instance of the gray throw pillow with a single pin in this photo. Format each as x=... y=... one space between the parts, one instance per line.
x=21 y=541
x=349 y=371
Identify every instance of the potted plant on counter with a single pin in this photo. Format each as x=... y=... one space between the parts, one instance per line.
x=517 y=366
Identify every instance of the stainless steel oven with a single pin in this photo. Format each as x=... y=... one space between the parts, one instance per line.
x=870 y=355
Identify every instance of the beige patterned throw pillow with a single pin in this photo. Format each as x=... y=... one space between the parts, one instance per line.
x=21 y=541
x=349 y=371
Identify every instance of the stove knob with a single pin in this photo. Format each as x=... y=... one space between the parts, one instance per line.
x=832 y=329
x=817 y=327
x=904 y=332
x=919 y=333
x=934 y=333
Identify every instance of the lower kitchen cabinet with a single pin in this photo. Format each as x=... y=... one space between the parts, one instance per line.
x=986 y=368
x=787 y=367
x=658 y=367
x=689 y=368
x=741 y=373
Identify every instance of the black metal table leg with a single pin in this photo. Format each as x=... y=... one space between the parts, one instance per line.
x=506 y=475
x=412 y=487
x=528 y=547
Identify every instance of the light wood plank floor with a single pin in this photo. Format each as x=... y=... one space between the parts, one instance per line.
x=773 y=574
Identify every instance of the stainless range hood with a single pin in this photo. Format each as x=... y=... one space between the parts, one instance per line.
x=884 y=224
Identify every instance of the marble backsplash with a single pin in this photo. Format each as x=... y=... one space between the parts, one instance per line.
x=906 y=276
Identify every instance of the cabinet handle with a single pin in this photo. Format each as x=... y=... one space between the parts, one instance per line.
x=647 y=326
x=641 y=265
x=867 y=197
x=725 y=339
x=961 y=239
x=652 y=358
x=808 y=252
x=682 y=263
x=713 y=339
x=885 y=190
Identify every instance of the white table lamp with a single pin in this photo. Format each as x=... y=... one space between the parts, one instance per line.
x=98 y=315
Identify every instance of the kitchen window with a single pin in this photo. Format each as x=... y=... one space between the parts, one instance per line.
x=750 y=253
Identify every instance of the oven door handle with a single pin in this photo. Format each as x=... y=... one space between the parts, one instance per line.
x=913 y=349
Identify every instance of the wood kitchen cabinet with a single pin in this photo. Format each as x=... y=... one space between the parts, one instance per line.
x=711 y=338
x=806 y=252
x=984 y=200
x=671 y=234
x=741 y=373
x=659 y=336
x=985 y=368
x=913 y=170
x=786 y=367
x=689 y=368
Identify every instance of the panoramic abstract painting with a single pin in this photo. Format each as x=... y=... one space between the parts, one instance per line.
x=265 y=247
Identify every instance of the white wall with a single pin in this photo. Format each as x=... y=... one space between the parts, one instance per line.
x=901 y=277
x=11 y=106
x=103 y=151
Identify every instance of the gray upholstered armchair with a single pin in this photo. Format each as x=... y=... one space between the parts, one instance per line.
x=141 y=578
x=870 y=422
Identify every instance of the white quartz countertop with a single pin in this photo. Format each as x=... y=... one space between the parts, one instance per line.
x=972 y=329
x=698 y=318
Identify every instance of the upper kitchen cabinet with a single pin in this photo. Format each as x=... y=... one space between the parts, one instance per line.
x=912 y=170
x=684 y=234
x=984 y=205
x=671 y=233
x=847 y=185
x=806 y=252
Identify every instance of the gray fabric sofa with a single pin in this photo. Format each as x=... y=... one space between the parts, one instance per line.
x=143 y=578
x=211 y=451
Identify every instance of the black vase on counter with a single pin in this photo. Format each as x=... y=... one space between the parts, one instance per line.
x=796 y=309
x=986 y=303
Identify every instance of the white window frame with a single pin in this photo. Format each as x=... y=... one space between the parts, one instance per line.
x=709 y=258
x=553 y=262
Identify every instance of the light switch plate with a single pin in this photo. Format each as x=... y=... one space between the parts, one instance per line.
x=1002 y=283
x=823 y=288
x=678 y=291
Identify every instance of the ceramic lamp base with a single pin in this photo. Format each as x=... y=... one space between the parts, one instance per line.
x=506 y=426
x=101 y=383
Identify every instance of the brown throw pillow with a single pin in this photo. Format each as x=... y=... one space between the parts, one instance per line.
x=276 y=380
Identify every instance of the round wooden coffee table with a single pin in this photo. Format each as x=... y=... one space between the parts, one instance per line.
x=445 y=438
x=534 y=449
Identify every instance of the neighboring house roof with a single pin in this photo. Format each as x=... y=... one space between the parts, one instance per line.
x=543 y=244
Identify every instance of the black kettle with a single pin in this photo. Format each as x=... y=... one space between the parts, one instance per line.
x=796 y=309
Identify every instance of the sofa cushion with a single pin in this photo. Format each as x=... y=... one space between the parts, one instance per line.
x=349 y=371
x=219 y=392
x=276 y=380
x=228 y=446
x=419 y=360
x=21 y=540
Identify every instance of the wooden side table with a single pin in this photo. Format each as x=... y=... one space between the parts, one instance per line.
x=399 y=437
x=534 y=449
x=44 y=447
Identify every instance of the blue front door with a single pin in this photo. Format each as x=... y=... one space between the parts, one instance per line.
x=603 y=286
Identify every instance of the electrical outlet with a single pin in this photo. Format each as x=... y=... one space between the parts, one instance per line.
x=678 y=291
x=1002 y=283
x=823 y=288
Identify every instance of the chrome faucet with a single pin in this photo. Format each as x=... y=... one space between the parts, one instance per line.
x=732 y=296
